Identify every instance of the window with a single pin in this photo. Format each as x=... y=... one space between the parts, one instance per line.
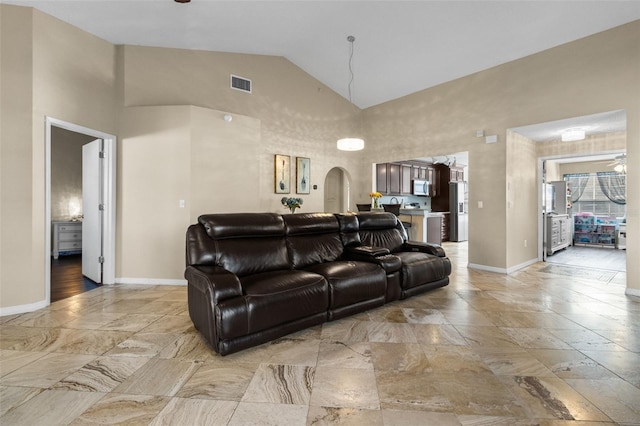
x=594 y=192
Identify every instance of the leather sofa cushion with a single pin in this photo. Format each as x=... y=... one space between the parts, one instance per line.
x=245 y=225
x=421 y=268
x=248 y=243
x=380 y=230
x=351 y=282
x=313 y=238
x=271 y=299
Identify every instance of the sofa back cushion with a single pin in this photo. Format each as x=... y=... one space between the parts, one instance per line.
x=349 y=227
x=247 y=243
x=312 y=238
x=380 y=229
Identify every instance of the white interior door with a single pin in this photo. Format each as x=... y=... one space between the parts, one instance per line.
x=92 y=209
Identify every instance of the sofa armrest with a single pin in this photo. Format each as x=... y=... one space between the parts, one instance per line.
x=429 y=248
x=218 y=282
x=377 y=255
x=366 y=251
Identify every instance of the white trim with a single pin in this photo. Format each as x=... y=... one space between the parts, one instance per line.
x=632 y=292
x=487 y=268
x=521 y=266
x=109 y=249
x=503 y=270
x=21 y=309
x=150 y=281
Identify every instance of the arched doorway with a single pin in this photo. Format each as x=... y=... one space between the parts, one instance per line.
x=336 y=191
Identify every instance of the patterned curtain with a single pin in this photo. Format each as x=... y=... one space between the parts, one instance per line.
x=577 y=182
x=613 y=186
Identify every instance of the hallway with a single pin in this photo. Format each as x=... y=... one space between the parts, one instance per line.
x=67 y=279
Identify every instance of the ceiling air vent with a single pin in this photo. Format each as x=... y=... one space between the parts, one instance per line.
x=240 y=83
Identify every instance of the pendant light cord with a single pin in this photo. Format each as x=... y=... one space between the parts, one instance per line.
x=350 y=39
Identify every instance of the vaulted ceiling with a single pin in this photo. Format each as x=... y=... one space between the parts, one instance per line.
x=401 y=46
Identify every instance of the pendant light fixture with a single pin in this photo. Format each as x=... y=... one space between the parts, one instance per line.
x=350 y=144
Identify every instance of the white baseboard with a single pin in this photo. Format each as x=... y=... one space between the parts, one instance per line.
x=487 y=268
x=21 y=309
x=502 y=270
x=521 y=266
x=150 y=281
x=632 y=292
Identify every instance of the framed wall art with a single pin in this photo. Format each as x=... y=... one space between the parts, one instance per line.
x=282 y=175
x=303 y=175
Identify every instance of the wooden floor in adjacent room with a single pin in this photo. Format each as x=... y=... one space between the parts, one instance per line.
x=67 y=279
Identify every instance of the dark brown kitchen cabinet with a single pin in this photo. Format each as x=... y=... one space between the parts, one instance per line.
x=434 y=181
x=381 y=178
x=388 y=176
x=440 y=201
x=394 y=174
x=406 y=175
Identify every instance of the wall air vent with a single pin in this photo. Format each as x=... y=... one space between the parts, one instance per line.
x=240 y=83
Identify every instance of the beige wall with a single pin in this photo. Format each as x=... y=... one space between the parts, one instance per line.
x=51 y=68
x=522 y=200
x=16 y=161
x=595 y=74
x=586 y=167
x=298 y=115
x=173 y=153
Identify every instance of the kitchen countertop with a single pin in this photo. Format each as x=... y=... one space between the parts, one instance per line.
x=420 y=212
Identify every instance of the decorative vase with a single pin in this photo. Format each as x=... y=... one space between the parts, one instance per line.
x=375 y=203
x=293 y=209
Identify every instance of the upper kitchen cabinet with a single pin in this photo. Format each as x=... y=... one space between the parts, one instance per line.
x=406 y=176
x=388 y=177
x=382 y=185
x=397 y=178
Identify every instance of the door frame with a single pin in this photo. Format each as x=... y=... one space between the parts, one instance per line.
x=109 y=190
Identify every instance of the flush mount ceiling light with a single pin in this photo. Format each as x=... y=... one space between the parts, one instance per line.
x=571 y=135
x=350 y=144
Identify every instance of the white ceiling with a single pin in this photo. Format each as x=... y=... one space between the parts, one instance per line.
x=401 y=46
x=606 y=122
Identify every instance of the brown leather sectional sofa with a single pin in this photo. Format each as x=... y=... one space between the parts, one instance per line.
x=254 y=277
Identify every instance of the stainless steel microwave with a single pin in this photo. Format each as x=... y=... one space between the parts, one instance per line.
x=420 y=187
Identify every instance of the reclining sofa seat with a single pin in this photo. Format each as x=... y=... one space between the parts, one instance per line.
x=254 y=277
x=315 y=245
x=242 y=290
x=424 y=266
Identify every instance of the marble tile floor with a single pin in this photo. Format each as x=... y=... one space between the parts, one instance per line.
x=531 y=348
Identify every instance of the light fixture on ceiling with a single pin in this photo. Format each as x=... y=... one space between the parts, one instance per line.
x=571 y=135
x=182 y=1
x=350 y=144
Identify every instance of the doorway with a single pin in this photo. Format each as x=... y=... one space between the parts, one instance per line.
x=336 y=191
x=595 y=212
x=68 y=205
x=579 y=145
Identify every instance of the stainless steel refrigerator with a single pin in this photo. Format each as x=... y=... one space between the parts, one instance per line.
x=458 y=211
